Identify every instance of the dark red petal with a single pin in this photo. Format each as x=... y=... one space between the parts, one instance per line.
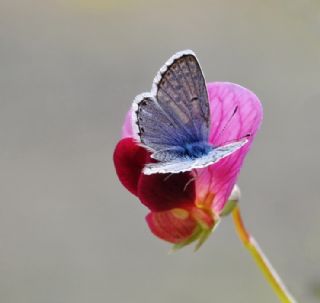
x=129 y=159
x=174 y=226
x=161 y=192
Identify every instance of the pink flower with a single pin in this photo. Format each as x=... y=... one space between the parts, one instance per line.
x=181 y=213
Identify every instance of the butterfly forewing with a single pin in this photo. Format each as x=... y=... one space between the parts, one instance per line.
x=181 y=93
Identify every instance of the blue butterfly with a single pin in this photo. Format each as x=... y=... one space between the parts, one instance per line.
x=173 y=120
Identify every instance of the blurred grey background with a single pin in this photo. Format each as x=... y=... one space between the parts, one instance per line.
x=69 y=232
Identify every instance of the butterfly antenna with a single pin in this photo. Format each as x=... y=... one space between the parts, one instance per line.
x=228 y=122
x=238 y=139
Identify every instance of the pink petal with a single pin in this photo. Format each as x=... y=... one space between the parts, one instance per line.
x=219 y=179
x=127 y=126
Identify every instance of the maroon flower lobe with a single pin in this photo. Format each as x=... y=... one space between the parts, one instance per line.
x=160 y=192
x=129 y=159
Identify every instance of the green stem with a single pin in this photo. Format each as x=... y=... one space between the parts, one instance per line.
x=261 y=260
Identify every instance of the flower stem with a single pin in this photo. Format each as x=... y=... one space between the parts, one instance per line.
x=261 y=260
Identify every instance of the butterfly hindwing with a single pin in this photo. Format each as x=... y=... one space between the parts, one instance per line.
x=153 y=127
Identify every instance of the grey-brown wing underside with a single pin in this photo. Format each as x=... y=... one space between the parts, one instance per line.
x=154 y=126
x=176 y=112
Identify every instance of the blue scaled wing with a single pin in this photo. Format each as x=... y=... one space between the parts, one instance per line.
x=176 y=112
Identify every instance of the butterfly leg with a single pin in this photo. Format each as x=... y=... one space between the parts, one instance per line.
x=167 y=177
x=194 y=178
x=189 y=182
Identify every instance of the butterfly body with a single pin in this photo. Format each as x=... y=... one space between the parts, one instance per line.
x=190 y=151
x=173 y=120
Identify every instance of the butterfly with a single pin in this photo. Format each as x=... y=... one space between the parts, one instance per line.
x=173 y=120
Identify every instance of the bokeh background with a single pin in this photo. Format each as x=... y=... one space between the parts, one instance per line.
x=69 y=70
